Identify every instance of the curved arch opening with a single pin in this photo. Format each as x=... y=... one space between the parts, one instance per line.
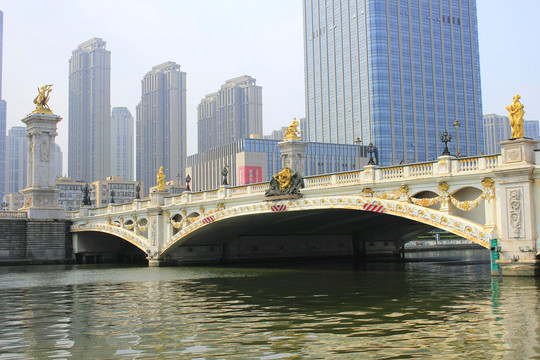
x=94 y=247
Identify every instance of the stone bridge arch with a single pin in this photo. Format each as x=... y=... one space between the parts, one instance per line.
x=460 y=226
x=138 y=241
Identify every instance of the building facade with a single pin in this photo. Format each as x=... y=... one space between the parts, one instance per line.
x=122 y=128
x=70 y=193
x=59 y=161
x=89 y=153
x=251 y=161
x=16 y=158
x=112 y=190
x=3 y=120
x=232 y=113
x=531 y=129
x=395 y=73
x=161 y=124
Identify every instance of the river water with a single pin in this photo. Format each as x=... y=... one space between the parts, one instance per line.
x=443 y=307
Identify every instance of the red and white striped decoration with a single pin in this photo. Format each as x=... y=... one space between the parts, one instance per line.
x=281 y=207
x=208 y=220
x=373 y=207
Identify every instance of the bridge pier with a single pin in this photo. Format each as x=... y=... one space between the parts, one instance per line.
x=517 y=214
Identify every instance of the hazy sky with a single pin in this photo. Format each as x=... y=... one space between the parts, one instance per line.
x=215 y=40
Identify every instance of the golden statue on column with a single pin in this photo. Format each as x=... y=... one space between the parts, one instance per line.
x=160 y=179
x=292 y=131
x=515 y=113
x=41 y=100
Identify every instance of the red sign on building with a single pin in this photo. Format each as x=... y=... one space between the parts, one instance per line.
x=250 y=175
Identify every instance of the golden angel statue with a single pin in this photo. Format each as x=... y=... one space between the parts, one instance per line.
x=292 y=131
x=41 y=100
x=160 y=179
x=515 y=113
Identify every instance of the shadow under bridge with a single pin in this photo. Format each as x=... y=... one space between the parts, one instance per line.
x=296 y=234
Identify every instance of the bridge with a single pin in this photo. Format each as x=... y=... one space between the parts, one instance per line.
x=490 y=200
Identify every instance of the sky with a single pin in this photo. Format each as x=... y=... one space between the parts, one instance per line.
x=216 y=40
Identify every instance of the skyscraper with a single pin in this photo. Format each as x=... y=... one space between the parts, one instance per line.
x=3 y=106
x=161 y=124
x=496 y=129
x=122 y=125
x=89 y=151
x=396 y=73
x=16 y=156
x=232 y=113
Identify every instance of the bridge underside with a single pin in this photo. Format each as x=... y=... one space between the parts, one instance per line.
x=299 y=234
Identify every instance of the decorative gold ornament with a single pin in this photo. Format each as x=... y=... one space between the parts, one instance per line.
x=515 y=113
x=367 y=192
x=161 y=179
x=404 y=189
x=292 y=131
x=201 y=209
x=443 y=187
x=41 y=100
x=184 y=212
x=284 y=178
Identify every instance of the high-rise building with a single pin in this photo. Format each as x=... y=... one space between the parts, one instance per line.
x=396 y=73
x=89 y=152
x=496 y=129
x=232 y=113
x=58 y=158
x=122 y=124
x=3 y=106
x=16 y=156
x=531 y=129
x=161 y=124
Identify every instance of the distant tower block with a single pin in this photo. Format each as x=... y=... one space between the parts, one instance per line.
x=40 y=195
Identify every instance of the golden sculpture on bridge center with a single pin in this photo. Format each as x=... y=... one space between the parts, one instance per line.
x=292 y=131
x=515 y=113
x=284 y=178
x=41 y=100
x=161 y=179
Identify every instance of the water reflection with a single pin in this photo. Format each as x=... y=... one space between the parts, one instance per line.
x=441 y=309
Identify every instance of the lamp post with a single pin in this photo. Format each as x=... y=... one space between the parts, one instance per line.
x=371 y=149
x=456 y=126
x=4 y=205
x=445 y=138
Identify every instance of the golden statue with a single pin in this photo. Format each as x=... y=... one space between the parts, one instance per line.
x=292 y=131
x=160 y=179
x=41 y=100
x=284 y=178
x=515 y=113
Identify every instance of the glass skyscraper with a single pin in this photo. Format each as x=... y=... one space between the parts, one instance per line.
x=396 y=73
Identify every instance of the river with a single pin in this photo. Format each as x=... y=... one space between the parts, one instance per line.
x=443 y=306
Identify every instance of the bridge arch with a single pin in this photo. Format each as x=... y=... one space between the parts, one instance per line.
x=117 y=231
x=425 y=215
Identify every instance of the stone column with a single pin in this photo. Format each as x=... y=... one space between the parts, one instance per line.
x=156 y=231
x=40 y=195
x=293 y=153
x=516 y=208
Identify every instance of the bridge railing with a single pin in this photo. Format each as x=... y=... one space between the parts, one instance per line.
x=7 y=214
x=366 y=176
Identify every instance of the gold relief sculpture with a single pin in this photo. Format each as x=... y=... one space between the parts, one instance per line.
x=161 y=179
x=41 y=100
x=284 y=178
x=404 y=189
x=515 y=113
x=443 y=187
x=367 y=192
x=489 y=191
x=292 y=131
x=201 y=209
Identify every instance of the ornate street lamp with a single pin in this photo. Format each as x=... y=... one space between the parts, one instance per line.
x=4 y=205
x=188 y=180
x=112 y=196
x=371 y=149
x=456 y=126
x=445 y=138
